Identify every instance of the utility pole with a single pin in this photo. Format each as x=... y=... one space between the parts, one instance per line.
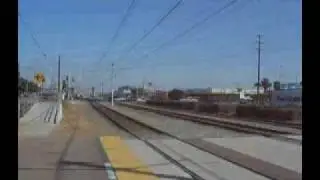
x=112 y=74
x=18 y=92
x=259 y=57
x=59 y=83
x=69 y=85
x=143 y=82
x=101 y=88
x=52 y=79
x=27 y=86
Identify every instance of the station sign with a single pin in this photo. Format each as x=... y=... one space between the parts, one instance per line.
x=287 y=97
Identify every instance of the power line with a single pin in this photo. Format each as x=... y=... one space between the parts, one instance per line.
x=195 y=25
x=116 y=34
x=162 y=19
x=33 y=37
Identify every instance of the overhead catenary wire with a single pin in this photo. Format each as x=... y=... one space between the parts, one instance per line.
x=163 y=64
x=116 y=34
x=32 y=34
x=195 y=25
x=158 y=23
x=188 y=30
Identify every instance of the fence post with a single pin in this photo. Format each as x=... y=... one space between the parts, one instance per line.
x=18 y=109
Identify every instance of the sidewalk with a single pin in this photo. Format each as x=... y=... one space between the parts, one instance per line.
x=39 y=145
x=38 y=157
x=78 y=155
x=38 y=120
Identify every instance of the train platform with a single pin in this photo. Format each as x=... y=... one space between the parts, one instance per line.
x=133 y=159
x=63 y=154
x=276 y=155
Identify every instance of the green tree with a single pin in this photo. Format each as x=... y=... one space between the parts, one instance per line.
x=176 y=94
x=24 y=83
x=265 y=84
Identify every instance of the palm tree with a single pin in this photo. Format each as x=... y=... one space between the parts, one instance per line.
x=266 y=84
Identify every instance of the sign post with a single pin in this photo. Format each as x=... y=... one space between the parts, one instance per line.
x=39 y=79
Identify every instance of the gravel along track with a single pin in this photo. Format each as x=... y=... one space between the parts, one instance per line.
x=182 y=128
x=191 y=129
x=225 y=122
x=136 y=129
x=296 y=125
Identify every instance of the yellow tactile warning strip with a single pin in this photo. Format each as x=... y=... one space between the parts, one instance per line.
x=124 y=162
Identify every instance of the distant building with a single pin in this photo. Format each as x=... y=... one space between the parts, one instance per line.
x=221 y=94
x=159 y=95
x=92 y=92
x=222 y=90
x=287 y=97
x=252 y=91
x=199 y=90
x=290 y=86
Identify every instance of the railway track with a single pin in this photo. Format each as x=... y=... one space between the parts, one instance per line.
x=60 y=163
x=261 y=121
x=258 y=130
x=134 y=127
x=138 y=130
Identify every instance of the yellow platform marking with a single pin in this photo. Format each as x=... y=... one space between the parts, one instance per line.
x=126 y=164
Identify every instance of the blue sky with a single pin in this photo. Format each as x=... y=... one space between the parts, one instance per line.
x=219 y=53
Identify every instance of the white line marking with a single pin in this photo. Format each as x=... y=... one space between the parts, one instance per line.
x=110 y=172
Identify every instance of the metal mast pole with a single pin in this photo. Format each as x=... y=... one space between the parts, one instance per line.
x=112 y=91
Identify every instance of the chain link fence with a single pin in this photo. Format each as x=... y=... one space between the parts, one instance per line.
x=27 y=100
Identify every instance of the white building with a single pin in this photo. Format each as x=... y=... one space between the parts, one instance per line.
x=223 y=90
x=287 y=97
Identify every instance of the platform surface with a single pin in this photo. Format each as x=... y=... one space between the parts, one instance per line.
x=133 y=159
x=281 y=153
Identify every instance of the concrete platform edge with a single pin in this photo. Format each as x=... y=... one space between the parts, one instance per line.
x=107 y=165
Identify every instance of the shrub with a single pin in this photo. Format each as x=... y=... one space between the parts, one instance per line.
x=208 y=108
